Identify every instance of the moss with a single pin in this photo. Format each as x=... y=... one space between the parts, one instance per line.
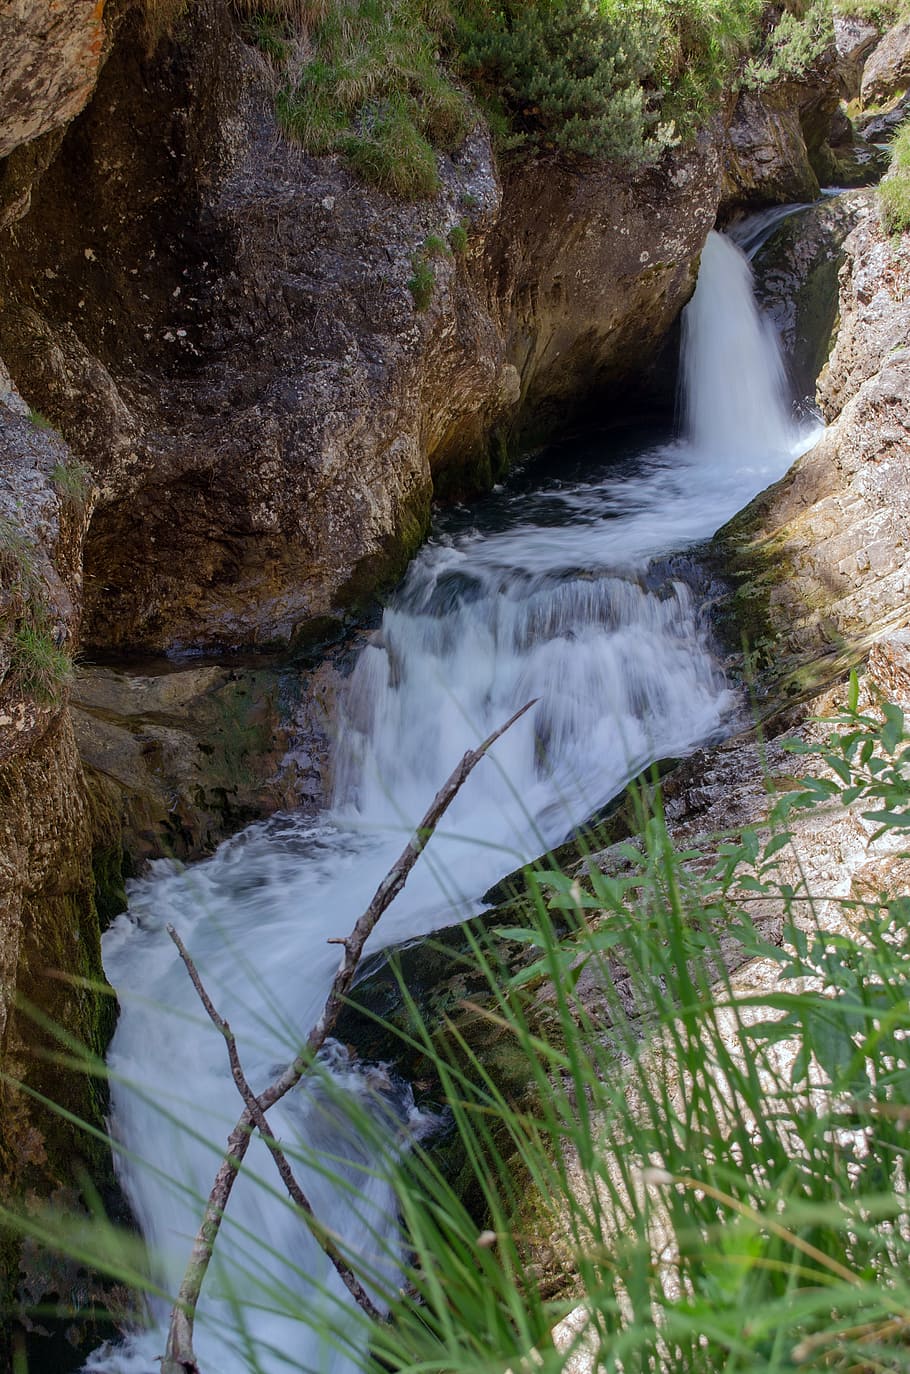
x=377 y=573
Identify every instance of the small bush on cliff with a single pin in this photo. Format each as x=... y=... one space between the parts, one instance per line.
x=793 y=46
x=894 y=191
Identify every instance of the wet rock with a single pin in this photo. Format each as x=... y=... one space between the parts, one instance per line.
x=796 y=277
x=887 y=70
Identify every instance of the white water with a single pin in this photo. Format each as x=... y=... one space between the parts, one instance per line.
x=573 y=601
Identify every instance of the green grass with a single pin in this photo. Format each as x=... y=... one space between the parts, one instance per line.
x=881 y=13
x=458 y=239
x=386 y=84
x=894 y=190
x=422 y=283
x=36 y=666
x=73 y=481
x=718 y=1173
x=375 y=91
x=40 y=668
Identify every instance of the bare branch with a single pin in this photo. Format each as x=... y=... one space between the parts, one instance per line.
x=317 y=1229
x=179 y=1357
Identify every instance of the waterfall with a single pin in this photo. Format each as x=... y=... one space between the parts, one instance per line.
x=734 y=385
x=580 y=594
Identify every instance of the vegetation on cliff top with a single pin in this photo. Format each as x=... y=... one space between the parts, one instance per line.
x=385 y=84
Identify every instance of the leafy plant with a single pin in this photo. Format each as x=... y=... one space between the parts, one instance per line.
x=894 y=190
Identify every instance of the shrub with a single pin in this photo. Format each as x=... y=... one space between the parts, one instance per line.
x=458 y=239
x=894 y=190
x=793 y=47
x=421 y=283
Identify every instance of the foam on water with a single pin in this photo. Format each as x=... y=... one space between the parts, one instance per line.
x=594 y=618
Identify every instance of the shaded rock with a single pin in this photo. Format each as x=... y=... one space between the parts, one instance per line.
x=766 y=156
x=223 y=329
x=854 y=39
x=196 y=753
x=796 y=280
x=60 y=866
x=882 y=127
x=887 y=70
x=819 y=561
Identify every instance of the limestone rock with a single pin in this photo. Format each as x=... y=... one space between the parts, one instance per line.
x=820 y=560
x=767 y=159
x=796 y=281
x=50 y=56
x=854 y=39
x=887 y=70
x=874 y=313
x=224 y=331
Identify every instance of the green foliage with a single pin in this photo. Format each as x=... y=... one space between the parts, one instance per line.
x=374 y=91
x=37 y=667
x=40 y=420
x=894 y=190
x=717 y=1168
x=458 y=239
x=73 y=481
x=421 y=283
x=601 y=78
x=793 y=47
x=881 y=13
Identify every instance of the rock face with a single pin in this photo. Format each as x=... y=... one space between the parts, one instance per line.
x=776 y=147
x=820 y=559
x=887 y=71
x=223 y=329
x=50 y=56
x=854 y=39
x=796 y=281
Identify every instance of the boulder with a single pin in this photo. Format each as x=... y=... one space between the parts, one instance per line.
x=854 y=39
x=887 y=71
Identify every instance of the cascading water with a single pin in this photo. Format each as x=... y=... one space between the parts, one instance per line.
x=576 y=598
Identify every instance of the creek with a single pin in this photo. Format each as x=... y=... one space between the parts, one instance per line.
x=578 y=584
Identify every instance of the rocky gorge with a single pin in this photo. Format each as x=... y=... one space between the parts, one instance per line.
x=225 y=417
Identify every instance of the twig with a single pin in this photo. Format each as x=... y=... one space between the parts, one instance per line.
x=179 y=1357
x=321 y=1235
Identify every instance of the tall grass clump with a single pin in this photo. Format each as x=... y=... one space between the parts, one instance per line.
x=35 y=664
x=706 y=1171
x=374 y=90
x=894 y=190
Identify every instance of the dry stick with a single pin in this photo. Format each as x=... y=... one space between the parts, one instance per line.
x=322 y=1236
x=179 y=1357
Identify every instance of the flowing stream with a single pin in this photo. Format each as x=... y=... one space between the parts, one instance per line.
x=579 y=593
